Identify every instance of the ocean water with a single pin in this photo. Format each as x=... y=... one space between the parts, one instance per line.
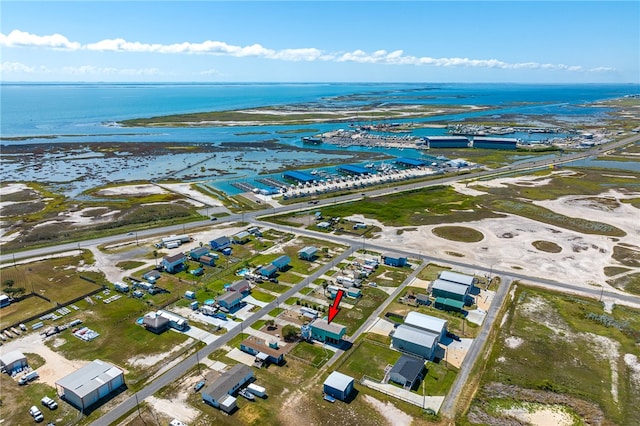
x=86 y=113
x=82 y=112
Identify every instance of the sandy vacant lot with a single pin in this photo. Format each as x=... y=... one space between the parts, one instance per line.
x=507 y=244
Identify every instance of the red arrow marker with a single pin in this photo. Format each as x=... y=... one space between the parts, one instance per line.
x=333 y=309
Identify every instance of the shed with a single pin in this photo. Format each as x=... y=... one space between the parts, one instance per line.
x=415 y=341
x=281 y=262
x=4 y=300
x=219 y=393
x=455 y=277
x=307 y=253
x=407 y=371
x=338 y=385
x=13 y=360
x=394 y=259
x=87 y=385
x=422 y=299
x=323 y=225
x=207 y=260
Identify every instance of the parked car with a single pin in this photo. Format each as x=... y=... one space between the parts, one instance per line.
x=49 y=403
x=36 y=413
x=198 y=386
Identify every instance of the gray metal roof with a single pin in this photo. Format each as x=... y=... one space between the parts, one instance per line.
x=415 y=335
x=322 y=324
x=425 y=322
x=230 y=296
x=308 y=250
x=11 y=357
x=338 y=381
x=89 y=378
x=408 y=367
x=451 y=287
x=223 y=384
x=457 y=278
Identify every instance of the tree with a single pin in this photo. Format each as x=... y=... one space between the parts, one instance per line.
x=290 y=332
x=155 y=256
x=271 y=324
x=325 y=284
x=8 y=283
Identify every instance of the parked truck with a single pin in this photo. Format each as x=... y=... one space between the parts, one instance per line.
x=27 y=377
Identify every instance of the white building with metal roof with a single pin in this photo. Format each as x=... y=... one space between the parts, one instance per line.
x=455 y=277
x=87 y=385
x=415 y=341
x=427 y=323
x=338 y=385
x=13 y=360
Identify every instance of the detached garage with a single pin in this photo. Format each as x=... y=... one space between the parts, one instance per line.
x=89 y=384
x=338 y=385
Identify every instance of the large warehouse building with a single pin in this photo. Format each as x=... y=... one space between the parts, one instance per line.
x=495 y=143
x=89 y=384
x=447 y=141
x=13 y=360
x=427 y=323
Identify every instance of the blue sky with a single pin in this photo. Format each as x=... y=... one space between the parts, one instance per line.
x=298 y=41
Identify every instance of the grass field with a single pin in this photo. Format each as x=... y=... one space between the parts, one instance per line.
x=316 y=355
x=458 y=233
x=120 y=340
x=368 y=358
x=547 y=344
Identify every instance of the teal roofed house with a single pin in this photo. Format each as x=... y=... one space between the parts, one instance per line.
x=197 y=253
x=281 y=262
x=308 y=253
x=322 y=331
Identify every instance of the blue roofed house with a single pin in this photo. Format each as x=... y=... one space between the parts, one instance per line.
x=268 y=270
x=230 y=300
x=175 y=263
x=394 y=259
x=307 y=253
x=220 y=243
x=197 y=253
x=281 y=262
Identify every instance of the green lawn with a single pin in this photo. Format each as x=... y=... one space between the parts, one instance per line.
x=367 y=358
x=262 y=296
x=314 y=354
x=552 y=355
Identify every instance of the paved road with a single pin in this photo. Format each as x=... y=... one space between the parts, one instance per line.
x=449 y=405
x=251 y=216
x=181 y=369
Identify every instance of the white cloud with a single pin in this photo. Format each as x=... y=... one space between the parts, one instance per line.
x=17 y=38
x=56 y=41
x=10 y=67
